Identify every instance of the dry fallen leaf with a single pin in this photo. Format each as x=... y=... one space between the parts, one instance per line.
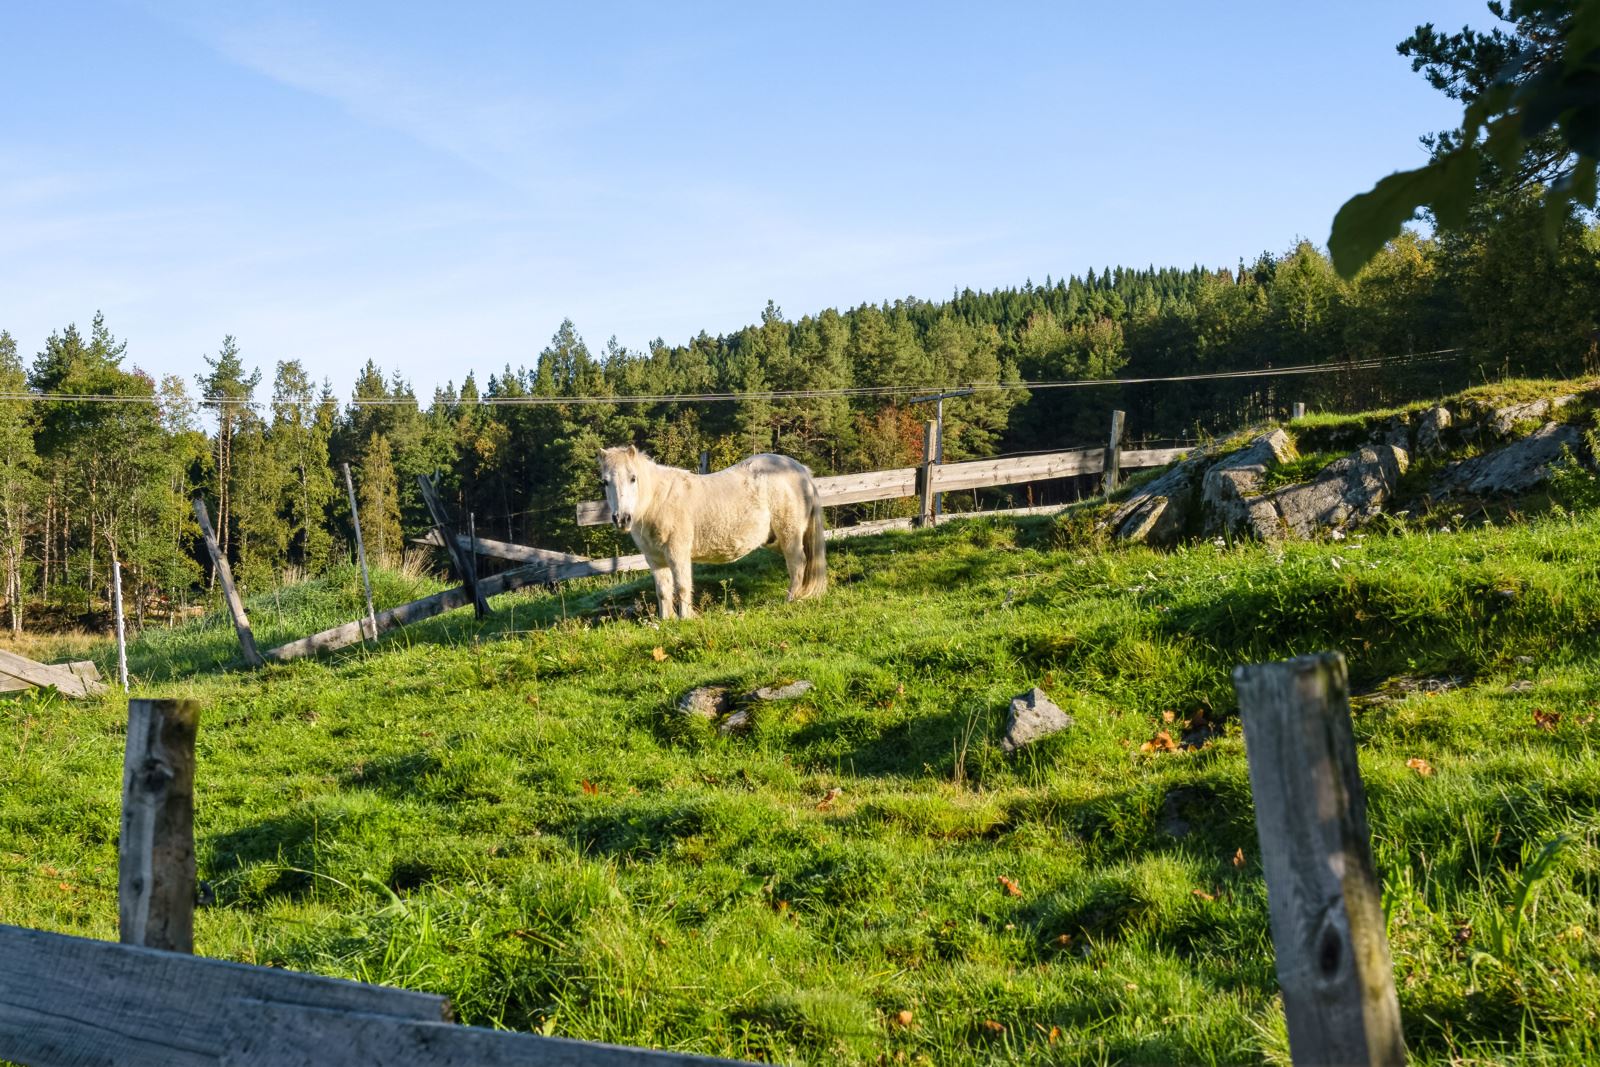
x=1168 y=716
x=903 y=1017
x=1238 y=857
x=658 y=653
x=1063 y=940
x=1161 y=742
x=827 y=801
x=994 y=1027
x=1420 y=765
x=1202 y=894
x=589 y=788
x=1054 y=1035
x=1546 y=720
x=1010 y=887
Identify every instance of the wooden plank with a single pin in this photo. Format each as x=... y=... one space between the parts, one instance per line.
x=41 y=674
x=503 y=549
x=1113 y=454
x=266 y=1034
x=1322 y=890
x=1136 y=458
x=83 y=668
x=417 y=610
x=867 y=529
x=361 y=552
x=458 y=559
x=74 y=1002
x=155 y=853
x=981 y=473
x=836 y=489
x=247 y=639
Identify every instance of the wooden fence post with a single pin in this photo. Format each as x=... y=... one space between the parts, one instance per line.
x=155 y=857
x=1299 y=409
x=1113 y=466
x=361 y=553
x=122 y=631
x=219 y=562
x=1322 y=890
x=441 y=522
x=930 y=450
x=705 y=461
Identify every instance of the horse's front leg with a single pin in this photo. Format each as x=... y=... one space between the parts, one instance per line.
x=683 y=582
x=662 y=572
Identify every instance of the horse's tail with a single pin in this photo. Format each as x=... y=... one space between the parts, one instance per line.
x=815 y=582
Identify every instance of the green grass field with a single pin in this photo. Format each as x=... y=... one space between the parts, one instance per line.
x=511 y=813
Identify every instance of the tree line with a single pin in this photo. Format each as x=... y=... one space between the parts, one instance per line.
x=85 y=479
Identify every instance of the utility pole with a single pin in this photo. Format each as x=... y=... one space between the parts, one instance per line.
x=938 y=440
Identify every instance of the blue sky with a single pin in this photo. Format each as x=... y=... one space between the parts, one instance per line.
x=437 y=186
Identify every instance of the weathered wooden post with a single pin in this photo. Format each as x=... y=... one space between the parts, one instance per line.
x=930 y=446
x=219 y=563
x=122 y=632
x=441 y=522
x=361 y=554
x=155 y=857
x=1299 y=409
x=705 y=461
x=1322 y=890
x=1113 y=468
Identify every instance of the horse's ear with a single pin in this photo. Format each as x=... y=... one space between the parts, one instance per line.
x=633 y=450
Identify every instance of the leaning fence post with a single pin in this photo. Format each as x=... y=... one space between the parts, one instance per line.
x=441 y=522
x=1323 y=894
x=1113 y=466
x=1299 y=410
x=219 y=563
x=361 y=552
x=155 y=856
x=122 y=630
x=930 y=449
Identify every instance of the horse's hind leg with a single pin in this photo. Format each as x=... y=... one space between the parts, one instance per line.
x=793 y=545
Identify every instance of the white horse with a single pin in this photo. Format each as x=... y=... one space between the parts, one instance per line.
x=677 y=517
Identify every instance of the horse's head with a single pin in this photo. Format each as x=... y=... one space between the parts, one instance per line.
x=619 y=475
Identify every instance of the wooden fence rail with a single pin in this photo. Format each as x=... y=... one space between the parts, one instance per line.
x=837 y=489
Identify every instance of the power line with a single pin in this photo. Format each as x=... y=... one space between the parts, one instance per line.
x=845 y=392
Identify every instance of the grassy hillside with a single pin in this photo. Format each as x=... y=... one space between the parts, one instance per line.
x=511 y=812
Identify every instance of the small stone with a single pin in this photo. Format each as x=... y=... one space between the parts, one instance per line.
x=783 y=692
x=706 y=702
x=738 y=722
x=1033 y=715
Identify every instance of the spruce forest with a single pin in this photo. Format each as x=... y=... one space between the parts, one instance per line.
x=111 y=475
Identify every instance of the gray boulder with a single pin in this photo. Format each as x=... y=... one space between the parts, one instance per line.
x=1033 y=715
x=783 y=692
x=1503 y=419
x=705 y=702
x=1158 y=512
x=1513 y=468
x=1231 y=489
x=1430 y=432
x=1349 y=490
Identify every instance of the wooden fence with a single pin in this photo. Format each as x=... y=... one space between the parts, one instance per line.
x=930 y=479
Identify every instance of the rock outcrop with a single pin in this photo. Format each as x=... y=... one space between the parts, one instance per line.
x=1514 y=468
x=1231 y=489
x=1430 y=432
x=1348 y=491
x=1503 y=420
x=1159 y=512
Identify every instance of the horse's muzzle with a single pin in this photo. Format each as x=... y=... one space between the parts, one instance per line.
x=623 y=522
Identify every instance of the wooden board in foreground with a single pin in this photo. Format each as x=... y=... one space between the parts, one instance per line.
x=17 y=668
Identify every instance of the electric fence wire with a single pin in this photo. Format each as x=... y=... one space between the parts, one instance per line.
x=846 y=392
